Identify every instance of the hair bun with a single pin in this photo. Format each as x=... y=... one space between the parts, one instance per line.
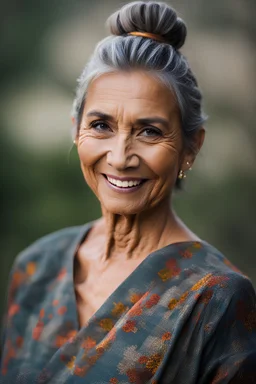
x=153 y=17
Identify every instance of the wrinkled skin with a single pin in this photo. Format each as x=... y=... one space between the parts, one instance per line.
x=121 y=144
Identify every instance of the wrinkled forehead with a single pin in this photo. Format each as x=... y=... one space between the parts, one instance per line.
x=134 y=92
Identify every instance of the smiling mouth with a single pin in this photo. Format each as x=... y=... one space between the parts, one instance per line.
x=124 y=183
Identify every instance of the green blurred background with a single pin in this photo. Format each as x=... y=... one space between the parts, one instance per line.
x=44 y=46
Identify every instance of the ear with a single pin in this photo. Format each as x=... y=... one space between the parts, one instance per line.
x=191 y=152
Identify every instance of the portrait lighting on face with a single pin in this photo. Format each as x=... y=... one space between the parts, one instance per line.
x=134 y=296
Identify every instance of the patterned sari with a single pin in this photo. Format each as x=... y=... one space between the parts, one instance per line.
x=185 y=315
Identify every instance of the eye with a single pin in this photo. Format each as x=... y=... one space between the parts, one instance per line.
x=151 y=132
x=100 y=126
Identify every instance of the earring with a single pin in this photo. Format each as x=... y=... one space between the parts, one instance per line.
x=190 y=168
x=181 y=175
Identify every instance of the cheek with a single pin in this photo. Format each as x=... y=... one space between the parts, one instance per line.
x=164 y=161
x=90 y=151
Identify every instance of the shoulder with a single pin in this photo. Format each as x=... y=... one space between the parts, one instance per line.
x=215 y=272
x=232 y=286
x=46 y=259
x=53 y=243
x=219 y=264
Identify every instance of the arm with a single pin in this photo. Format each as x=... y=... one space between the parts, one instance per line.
x=229 y=356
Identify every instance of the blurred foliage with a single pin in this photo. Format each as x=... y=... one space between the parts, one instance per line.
x=46 y=192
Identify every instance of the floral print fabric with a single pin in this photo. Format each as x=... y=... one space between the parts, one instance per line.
x=186 y=315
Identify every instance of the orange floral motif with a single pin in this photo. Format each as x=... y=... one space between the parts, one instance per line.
x=183 y=297
x=206 y=296
x=19 y=341
x=136 y=297
x=113 y=380
x=71 y=363
x=101 y=348
x=133 y=376
x=173 y=266
x=62 y=310
x=89 y=343
x=31 y=268
x=10 y=354
x=64 y=358
x=201 y=283
x=55 y=303
x=71 y=334
x=62 y=274
x=136 y=310
x=166 y=336
x=172 y=269
x=93 y=359
x=154 y=362
x=153 y=300
x=14 y=308
x=118 y=309
x=106 y=324
x=78 y=371
x=41 y=313
x=196 y=244
x=173 y=303
x=18 y=278
x=62 y=339
x=129 y=326
x=38 y=330
x=107 y=341
x=165 y=274
x=187 y=254
x=143 y=359
x=217 y=280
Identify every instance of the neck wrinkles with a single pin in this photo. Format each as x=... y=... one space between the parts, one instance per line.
x=137 y=235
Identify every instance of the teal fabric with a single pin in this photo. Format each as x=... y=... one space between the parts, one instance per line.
x=186 y=315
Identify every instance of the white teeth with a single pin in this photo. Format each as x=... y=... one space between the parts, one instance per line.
x=124 y=184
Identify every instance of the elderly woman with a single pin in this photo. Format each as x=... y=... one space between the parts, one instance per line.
x=136 y=296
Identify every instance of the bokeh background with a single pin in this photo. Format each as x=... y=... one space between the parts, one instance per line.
x=44 y=46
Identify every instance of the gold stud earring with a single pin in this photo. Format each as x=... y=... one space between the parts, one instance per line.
x=190 y=168
x=181 y=175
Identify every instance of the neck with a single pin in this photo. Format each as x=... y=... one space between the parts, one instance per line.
x=136 y=236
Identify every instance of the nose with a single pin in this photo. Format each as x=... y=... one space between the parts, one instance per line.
x=121 y=155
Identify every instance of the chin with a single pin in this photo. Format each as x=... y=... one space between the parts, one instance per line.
x=124 y=208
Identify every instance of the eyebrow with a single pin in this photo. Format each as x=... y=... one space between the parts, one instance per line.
x=144 y=120
x=153 y=120
x=102 y=115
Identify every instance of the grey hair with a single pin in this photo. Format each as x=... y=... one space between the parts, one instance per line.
x=125 y=52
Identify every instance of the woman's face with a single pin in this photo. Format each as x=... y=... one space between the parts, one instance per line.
x=130 y=143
